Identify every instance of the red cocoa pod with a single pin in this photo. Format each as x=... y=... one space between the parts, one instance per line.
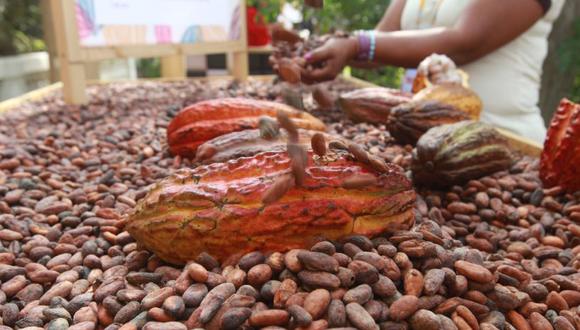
x=206 y=120
x=403 y=307
x=278 y=189
x=358 y=181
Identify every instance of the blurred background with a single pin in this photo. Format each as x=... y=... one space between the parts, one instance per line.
x=24 y=63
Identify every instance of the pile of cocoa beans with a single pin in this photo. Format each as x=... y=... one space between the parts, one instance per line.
x=500 y=252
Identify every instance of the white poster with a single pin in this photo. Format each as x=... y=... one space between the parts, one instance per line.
x=139 y=22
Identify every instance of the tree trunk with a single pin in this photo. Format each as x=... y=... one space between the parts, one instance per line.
x=557 y=79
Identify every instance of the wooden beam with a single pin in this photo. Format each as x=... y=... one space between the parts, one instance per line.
x=72 y=70
x=240 y=62
x=173 y=66
x=48 y=29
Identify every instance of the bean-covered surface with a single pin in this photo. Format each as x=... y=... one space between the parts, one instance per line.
x=500 y=252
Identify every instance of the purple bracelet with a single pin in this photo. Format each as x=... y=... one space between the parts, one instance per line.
x=364 y=46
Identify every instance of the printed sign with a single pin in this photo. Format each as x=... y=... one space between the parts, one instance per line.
x=151 y=22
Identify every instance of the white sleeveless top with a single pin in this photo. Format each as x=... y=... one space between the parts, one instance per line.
x=508 y=79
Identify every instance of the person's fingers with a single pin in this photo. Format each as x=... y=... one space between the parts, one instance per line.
x=318 y=55
x=320 y=74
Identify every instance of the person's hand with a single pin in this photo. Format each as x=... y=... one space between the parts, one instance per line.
x=327 y=61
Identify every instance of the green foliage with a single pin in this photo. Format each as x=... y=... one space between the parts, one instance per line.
x=269 y=9
x=20 y=27
x=148 y=68
x=568 y=54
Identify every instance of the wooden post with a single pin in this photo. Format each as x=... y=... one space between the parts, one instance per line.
x=72 y=70
x=173 y=66
x=240 y=61
x=49 y=38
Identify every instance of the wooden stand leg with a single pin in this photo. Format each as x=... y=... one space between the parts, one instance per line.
x=240 y=67
x=93 y=71
x=74 y=82
x=173 y=66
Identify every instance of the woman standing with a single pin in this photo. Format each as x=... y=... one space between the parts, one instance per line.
x=501 y=44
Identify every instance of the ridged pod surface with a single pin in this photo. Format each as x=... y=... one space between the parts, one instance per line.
x=455 y=95
x=409 y=121
x=456 y=153
x=372 y=104
x=248 y=143
x=219 y=208
x=560 y=160
x=206 y=120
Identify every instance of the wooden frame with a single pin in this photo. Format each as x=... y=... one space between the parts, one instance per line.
x=61 y=32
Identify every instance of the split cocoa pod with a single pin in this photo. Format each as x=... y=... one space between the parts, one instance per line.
x=561 y=155
x=372 y=104
x=250 y=142
x=456 y=153
x=455 y=95
x=409 y=121
x=438 y=79
x=253 y=203
x=206 y=120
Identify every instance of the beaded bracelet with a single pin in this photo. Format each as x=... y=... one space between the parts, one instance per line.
x=373 y=46
x=366 y=45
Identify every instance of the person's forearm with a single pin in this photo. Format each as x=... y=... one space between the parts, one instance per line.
x=409 y=48
x=391 y=20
